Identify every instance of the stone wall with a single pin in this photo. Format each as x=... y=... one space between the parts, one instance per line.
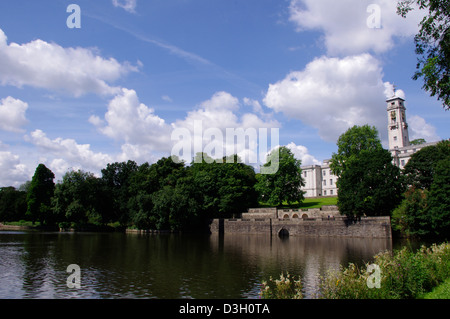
x=373 y=227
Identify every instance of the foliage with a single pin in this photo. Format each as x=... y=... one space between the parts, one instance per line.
x=418 y=141
x=39 y=196
x=284 y=288
x=440 y=292
x=284 y=184
x=76 y=199
x=404 y=275
x=424 y=210
x=432 y=46
x=420 y=169
x=13 y=204
x=351 y=143
x=369 y=185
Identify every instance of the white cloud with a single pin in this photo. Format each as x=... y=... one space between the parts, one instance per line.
x=127 y=5
x=212 y=119
x=12 y=171
x=132 y=122
x=419 y=128
x=301 y=152
x=76 y=71
x=62 y=154
x=345 y=24
x=333 y=94
x=12 y=114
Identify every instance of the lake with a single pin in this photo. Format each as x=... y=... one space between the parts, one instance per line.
x=167 y=266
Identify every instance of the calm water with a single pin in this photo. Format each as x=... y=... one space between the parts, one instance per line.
x=116 y=265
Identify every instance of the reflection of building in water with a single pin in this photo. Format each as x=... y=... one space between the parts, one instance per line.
x=319 y=181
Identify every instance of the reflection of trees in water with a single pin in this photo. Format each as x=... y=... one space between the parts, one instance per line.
x=175 y=266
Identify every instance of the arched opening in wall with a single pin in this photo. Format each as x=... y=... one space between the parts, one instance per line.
x=295 y=216
x=304 y=216
x=283 y=233
x=286 y=216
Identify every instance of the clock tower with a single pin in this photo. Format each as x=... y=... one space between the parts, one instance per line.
x=397 y=126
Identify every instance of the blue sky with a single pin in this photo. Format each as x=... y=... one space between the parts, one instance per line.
x=116 y=88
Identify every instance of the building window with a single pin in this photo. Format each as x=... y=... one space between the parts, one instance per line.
x=325 y=182
x=324 y=173
x=395 y=138
x=306 y=174
x=331 y=182
x=325 y=193
x=403 y=162
x=331 y=192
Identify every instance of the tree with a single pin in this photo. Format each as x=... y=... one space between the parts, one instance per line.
x=39 y=196
x=432 y=46
x=420 y=169
x=351 y=143
x=76 y=199
x=283 y=185
x=13 y=204
x=369 y=185
x=418 y=141
x=117 y=180
x=439 y=199
x=410 y=217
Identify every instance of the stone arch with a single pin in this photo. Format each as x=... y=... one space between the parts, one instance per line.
x=295 y=216
x=283 y=233
x=304 y=216
x=286 y=216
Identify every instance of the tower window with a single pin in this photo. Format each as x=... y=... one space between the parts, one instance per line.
x=395 y=138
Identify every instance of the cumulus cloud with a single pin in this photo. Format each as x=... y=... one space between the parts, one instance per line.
x=333 y=94
x=216 y=126
x=301 y=152
x=130 y=121
x=127 y=5
x=12 y=114
x=350 y=27
x=62 y=154
x=419 y=128
x=12 y=171
x=76 y=71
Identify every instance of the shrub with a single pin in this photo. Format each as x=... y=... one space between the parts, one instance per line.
x=283 y=288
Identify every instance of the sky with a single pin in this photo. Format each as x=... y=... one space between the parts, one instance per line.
x=115 y=80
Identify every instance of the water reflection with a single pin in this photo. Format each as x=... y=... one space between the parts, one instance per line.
x=33 y=264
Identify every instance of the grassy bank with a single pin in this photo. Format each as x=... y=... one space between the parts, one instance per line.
x=402 y=275
x=440 y=292
x=308 y=203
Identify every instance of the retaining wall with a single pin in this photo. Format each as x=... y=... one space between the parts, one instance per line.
x=373 y=227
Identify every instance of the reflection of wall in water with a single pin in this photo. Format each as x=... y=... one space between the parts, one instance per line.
x=307 y=256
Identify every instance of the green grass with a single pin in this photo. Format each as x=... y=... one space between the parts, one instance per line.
x=440 y=292
x=308 y=203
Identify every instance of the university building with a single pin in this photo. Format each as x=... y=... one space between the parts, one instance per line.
x=319 y=181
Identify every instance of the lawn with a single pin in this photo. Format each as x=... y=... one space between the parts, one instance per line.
x=309 y=203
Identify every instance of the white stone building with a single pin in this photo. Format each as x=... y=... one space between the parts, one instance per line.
x=319 y=181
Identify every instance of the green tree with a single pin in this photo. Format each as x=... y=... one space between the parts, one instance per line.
x=369 y=185
x=13 y=204
x=116 y=179
x=411 y=218
x=39 y=196
x=420 y=169
x=439 y=199
x=283 y=185
x=76 y=199
x=351 y=143
x=432 y=46
x=418 y=141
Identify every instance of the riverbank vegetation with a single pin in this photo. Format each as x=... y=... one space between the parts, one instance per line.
x=403 y=274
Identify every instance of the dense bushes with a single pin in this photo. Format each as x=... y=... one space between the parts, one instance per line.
x=404 y=275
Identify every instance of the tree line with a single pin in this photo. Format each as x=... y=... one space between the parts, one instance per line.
x=170 y=195
x=166 y=195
